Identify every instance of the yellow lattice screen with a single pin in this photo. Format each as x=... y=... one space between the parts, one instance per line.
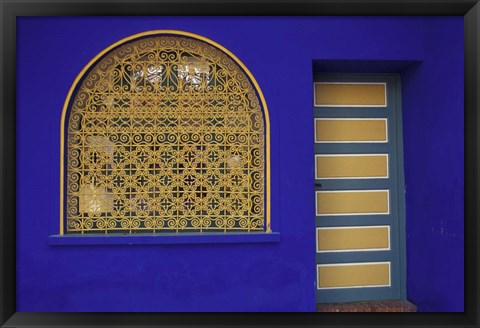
x=165 y=133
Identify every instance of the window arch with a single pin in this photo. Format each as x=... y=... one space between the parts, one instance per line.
x=165 y=131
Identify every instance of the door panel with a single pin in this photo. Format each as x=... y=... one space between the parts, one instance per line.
x=351 y=130
x=351 y=166
x=359 y=209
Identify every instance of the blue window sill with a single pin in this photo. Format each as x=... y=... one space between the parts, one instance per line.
x=164 y=238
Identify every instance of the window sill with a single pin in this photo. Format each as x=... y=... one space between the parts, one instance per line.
x=170 y=238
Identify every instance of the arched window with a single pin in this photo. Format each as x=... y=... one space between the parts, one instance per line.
x=165 y=131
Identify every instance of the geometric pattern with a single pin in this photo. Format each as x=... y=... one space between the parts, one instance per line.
x=165 y=134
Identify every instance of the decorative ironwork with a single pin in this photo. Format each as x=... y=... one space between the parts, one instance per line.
x=165 y=133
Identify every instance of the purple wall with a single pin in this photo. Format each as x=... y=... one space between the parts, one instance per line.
x=279 y=51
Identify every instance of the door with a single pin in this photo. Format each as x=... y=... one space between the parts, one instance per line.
x=359 y=193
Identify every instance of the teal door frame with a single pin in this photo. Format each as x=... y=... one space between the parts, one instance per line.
x=394 y=183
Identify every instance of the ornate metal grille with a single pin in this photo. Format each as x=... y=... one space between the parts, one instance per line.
x=165 y=133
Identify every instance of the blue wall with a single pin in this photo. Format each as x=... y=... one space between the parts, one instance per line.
x=434 y=175
x=279 y=51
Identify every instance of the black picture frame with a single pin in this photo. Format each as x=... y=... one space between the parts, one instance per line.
x=10 y=9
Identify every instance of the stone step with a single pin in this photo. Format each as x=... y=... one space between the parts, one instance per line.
x=370 y=306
